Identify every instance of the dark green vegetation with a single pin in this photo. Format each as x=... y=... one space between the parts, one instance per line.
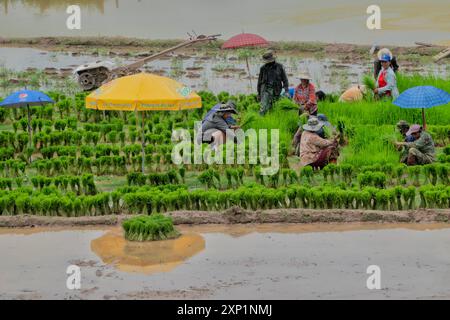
x=85 y=162
x=149 y=228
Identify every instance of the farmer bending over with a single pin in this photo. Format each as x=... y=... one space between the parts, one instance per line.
x=422 y=150
x=220 y=126
x=403 y=128
x=272 y=79
x=305 y=95
x=327 y=131
x=314 y=150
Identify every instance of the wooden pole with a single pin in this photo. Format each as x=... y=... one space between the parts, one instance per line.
x=424 y=122
x=249 y=73
x=30 y=143
x=143 y=142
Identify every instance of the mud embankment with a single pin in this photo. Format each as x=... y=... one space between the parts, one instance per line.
x=240 y=216
x=126 y=45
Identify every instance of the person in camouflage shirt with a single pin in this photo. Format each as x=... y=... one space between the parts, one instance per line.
x=422 y=150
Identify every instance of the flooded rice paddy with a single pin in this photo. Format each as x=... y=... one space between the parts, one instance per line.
x=278 y=261
x=202 y=72
x=403 y=21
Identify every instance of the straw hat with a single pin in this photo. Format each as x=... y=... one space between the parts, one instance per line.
x=304 y=76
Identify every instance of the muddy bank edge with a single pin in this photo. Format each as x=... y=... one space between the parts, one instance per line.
x=241 y=216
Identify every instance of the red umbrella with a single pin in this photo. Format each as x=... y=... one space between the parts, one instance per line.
x=245 y=40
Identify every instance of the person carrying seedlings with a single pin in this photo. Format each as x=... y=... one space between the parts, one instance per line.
x=387 y=80
x=305 y=95
x=422 y=150
x=314 y=150
x=272 y=79
x=219 y=126
x=377 y=52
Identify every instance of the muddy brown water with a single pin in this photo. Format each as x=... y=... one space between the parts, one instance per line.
x=403 y=21
x=324 y=261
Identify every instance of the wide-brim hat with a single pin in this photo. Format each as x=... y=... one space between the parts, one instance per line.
x=402 y=124
x=414 y=129
x=304 y=76
x=268 y=57
x=229 y=107
x=313 y=125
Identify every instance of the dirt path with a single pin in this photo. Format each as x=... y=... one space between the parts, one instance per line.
x=240 y=216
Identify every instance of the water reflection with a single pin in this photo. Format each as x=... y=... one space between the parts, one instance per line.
x=45 y=5
x=146 y=257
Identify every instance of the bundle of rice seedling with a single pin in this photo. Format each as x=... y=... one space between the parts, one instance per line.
x=149 y=228
x=369 y=82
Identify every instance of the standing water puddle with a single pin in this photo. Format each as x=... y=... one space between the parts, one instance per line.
x=230 y=262
x=221 y=73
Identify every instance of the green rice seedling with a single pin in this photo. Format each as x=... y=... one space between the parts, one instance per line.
x=399 y=171
x=307 y=173
x=155 y=227
x=346 y=172
x=409 y=196
x=443 y=173
x=430 y=171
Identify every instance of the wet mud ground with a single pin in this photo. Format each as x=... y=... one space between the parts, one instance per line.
x=272 y=261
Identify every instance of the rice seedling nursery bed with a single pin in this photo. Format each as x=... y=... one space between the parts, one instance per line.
x=83 y=162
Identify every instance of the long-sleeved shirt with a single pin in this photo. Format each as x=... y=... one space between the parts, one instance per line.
x=391 y=83
x=310 y=146
x=377 y=66
x=306 y=97
x=213 y=123
x=424 y=144
x=274 y=76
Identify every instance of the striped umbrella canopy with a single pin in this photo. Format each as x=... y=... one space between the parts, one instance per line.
x=422 y=97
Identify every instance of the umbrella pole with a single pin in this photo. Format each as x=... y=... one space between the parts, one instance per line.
x=143 y=141
x=424 y=122
x=249 y=73
x=29 y=126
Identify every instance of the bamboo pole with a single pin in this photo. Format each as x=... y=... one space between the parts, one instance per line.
x=143 y=142
x=30 y=142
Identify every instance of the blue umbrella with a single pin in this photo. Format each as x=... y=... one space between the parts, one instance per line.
x=26 y=98
x=422 y=97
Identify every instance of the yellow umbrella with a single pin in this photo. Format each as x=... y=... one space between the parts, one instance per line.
x=143 y=92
